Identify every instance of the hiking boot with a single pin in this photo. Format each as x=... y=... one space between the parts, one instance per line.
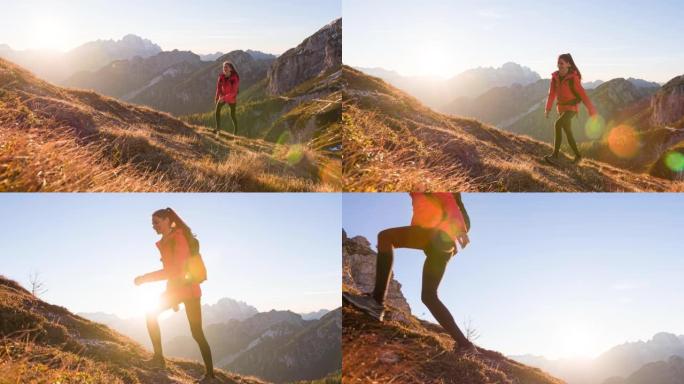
x=467 y=351
x=155 y=362
x=551 y=159
x=367 y=304
x=207 y=378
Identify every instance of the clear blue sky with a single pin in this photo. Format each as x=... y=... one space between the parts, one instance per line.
x=550 y=274
x=274 y=251
x=608 y=39
x=203 y=26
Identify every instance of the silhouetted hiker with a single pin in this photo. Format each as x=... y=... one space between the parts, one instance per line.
x=227 y=87
x=566 y=86
x=183 y=270
x=439 y=220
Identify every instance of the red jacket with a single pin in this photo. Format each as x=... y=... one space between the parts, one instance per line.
x=175 y=252
x=227 y=87
x=439 y=211
x=561 y=89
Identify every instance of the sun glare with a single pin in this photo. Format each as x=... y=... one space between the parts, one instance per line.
x=146 y=298
x=576 y=340
x=433 y=60
x=49 y=31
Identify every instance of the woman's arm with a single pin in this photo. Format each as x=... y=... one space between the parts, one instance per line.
x=218 y=89
x=150 y=277
x=464 y=213
x=551 y=97
x=583 y=95
x=453 y=212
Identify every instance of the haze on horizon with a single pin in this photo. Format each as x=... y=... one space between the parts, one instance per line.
x=550 y=274
x=440 y=38
x=270 y=250
x=202 y=27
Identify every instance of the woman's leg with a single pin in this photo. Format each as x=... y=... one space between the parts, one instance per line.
x=567 y=127
x=193 y=310
x=153 y=325
x=433 y=271
x=219 y=105
x=233 y=117
x=558 y=140
x=401 y=237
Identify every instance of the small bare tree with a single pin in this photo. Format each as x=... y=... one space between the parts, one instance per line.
x=471 y=333
x=37 y=285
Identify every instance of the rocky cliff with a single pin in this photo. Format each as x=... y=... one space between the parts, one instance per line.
x=316 y=55
x=668 y=104
x=358 y=274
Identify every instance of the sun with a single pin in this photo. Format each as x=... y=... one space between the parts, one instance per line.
x=50 y=32
x=433 y=59
x=146 y=298
x=576 y=340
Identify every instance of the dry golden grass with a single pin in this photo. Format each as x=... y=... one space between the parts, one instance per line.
x=57 y=139
x=44 y=343
x=391 y=142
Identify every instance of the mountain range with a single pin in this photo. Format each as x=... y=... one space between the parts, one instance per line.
x=626 y=363
x=277 y=346
x=405 y=349
x=438 y=93
x=57 y=66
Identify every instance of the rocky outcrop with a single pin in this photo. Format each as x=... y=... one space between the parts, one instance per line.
x=358 y=273
x=668 y=104
x=316 y=55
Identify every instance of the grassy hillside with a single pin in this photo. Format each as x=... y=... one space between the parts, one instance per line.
x=45 y=343
x=58 y=139
x=307 y=115
x=391 y=142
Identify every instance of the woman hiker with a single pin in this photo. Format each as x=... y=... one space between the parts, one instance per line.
x=227 y=87
x=566 y=86
x=439 y=221
x=176 y=246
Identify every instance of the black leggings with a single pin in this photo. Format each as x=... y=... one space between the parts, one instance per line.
x=564 y=123
x=193 y=310
x=438 y=248
x=219 y=106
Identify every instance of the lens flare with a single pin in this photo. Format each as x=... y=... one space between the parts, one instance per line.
x=294 y=154
x=594 y=127
x=623 y=141
x=675 y=161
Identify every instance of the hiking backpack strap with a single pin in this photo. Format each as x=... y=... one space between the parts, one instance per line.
x=577 y=99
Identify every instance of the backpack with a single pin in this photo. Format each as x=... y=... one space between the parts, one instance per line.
x=195 y=270
x=577 y=98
